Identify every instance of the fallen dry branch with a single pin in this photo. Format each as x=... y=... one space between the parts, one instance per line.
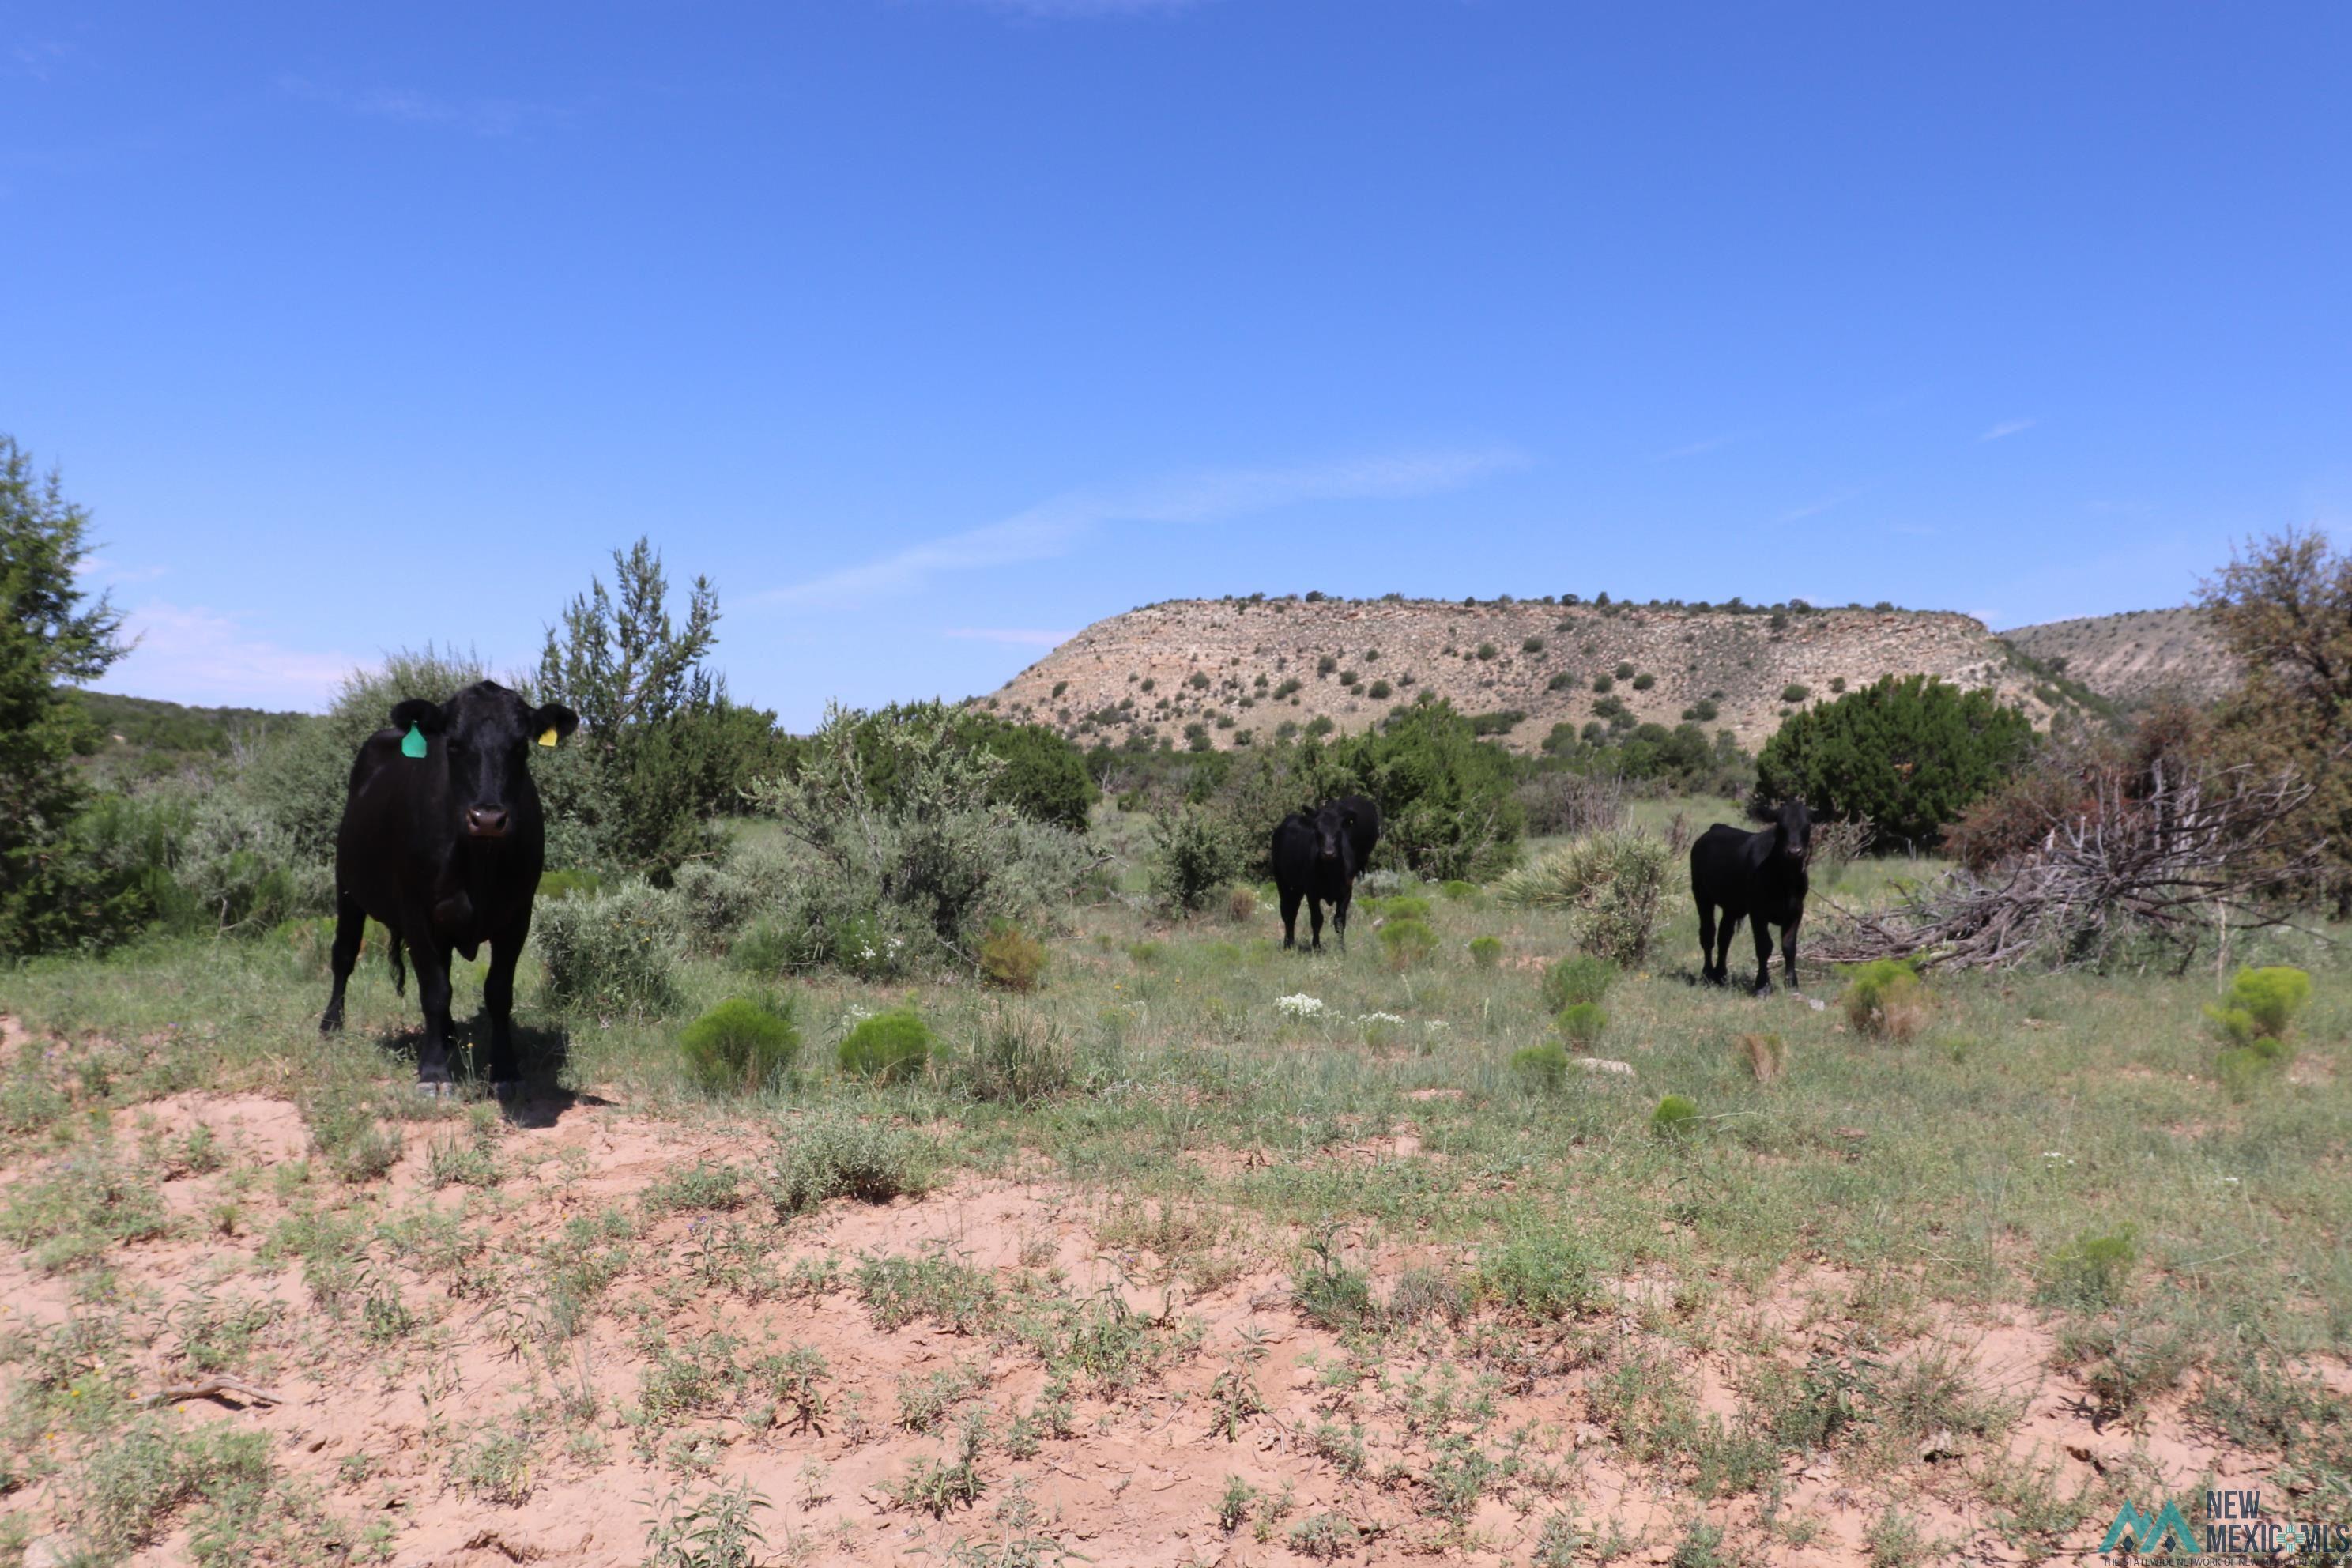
x=2194 y=855
x=211 y=1388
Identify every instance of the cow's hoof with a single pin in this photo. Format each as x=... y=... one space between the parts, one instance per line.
x=432 y=1091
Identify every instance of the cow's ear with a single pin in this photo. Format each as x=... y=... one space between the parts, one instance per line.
x=553 y=722
x=421 y=714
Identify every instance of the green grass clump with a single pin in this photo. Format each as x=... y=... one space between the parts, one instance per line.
x=1675 y=1113
x=740 y=1046
x=1542 y=1276
x=1582 y=1022
x=838 y=1156
x=1885 y=998
x=1404 y=907
x=1486 y=951
x=1458 y=892
x=1545 y=1065
x=889 y=1047
x=1407 y=943
x=617 y=953
x=1577 y=980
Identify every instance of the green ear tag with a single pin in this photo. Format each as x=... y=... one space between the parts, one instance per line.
x=412 y=744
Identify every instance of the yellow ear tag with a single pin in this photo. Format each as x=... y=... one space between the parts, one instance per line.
x=547 y=736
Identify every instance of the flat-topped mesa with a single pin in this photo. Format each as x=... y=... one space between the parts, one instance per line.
x=1226 y=668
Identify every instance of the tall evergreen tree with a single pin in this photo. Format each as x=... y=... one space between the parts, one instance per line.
x=53 y=638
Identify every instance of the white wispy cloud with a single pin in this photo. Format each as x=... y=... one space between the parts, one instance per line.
x=1695 y=447
x=1019 y=636
x=1815 y=508
x=1056 y=527
x=2006 y=427
x=480 y=116
x=189 y=654
x=113 y=571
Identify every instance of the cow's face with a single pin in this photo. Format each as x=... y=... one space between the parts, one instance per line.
x=1792 y=830
x=483 y=736
x=1331 y=826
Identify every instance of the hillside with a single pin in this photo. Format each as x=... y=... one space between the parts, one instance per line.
x=2134 y=657
x=1244 y=668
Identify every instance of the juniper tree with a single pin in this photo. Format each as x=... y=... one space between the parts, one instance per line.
x=53 y=638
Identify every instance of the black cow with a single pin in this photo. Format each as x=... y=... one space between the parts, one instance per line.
x=1315 y=860
x=1363 y=827
x=442 y=842
x=1756 y=877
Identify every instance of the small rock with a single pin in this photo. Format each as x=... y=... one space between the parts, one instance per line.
x=1602 y=1064
x=1941 y=1446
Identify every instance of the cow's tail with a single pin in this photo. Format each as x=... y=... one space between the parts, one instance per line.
x=399 y=967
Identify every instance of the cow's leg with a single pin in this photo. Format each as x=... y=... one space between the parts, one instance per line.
x=351 y=926
x=1314 y=918
x=433 y=993
x=497 y=999
x=1726 y=930
x=1289 y=918
x=1763 y=933
x=1705 y=941
x=1789 y=950
x=1339 y=915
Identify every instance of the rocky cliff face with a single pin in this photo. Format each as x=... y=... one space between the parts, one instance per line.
x=1238 y=668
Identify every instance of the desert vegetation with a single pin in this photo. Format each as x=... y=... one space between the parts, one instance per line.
x=928 y=1152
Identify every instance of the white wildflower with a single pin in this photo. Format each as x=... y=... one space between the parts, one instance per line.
x=1377 y=1018
x=1299 y=1006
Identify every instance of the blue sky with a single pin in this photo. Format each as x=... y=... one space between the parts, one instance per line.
x=933 y=328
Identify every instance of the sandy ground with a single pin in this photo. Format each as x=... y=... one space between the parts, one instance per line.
x=1140 y=1482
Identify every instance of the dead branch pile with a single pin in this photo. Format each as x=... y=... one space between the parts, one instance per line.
x=2195 y=851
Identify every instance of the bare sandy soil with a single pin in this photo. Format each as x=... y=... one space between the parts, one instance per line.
x=1138 y=1480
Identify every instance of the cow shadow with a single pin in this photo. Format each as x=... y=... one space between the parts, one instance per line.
x=543 y=1053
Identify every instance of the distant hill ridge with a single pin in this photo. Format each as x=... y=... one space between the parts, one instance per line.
x=2134 y=657
x=1219 y=664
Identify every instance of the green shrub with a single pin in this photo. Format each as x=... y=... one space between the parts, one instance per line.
x=1544 y=1066
x=1562 y=680
x=1577 y=979
x=1195 y=854
x=616 y=953
x=1885 y=998
x=1643 y=681
x=2261 y=1002
x=1610 y=885
x=1012 y=958
x=1910 y=753
x=1488 y=651
x=556 y=886
x=889 y=1047
x=1794 y=692
x=740 y=1046
x=1379 y=690
x=1486 y=951
x=1603 y=685
x=1625 y=670
x=1581 y=1022
x=1459 y=891
x=2092 y=1270
x=1407 y=941
x=1404 y=907
x=1674 y=1113
x=835 y=1155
